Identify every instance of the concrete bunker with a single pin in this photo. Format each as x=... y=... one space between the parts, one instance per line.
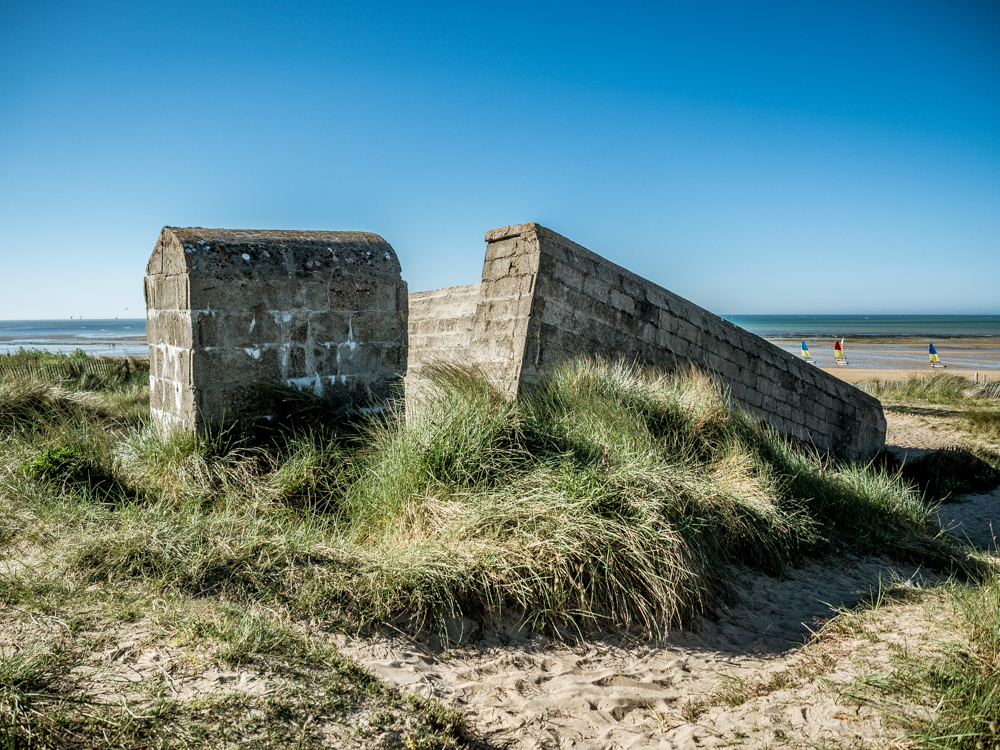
x=229 y=309
x=544 y=298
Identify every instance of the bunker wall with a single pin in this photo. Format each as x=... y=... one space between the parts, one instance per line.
x=169 y=333
x=440 y=324
x=546 y=299
x=229 y=310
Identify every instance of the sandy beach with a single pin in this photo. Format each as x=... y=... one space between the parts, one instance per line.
x=900 y=358
x=524 y=690
x=866 y=374
x=965 y=354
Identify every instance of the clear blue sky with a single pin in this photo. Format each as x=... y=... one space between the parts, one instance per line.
x=754 y=157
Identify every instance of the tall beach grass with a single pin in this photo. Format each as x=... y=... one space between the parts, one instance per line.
x=937 y=388
x=606 y=496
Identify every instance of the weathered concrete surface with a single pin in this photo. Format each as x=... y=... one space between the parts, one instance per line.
x=440 y=325
x=227 y=309
x=543 y=299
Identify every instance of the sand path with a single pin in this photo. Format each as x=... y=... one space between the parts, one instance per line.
x=974 y=519
x=525 y=691
x=914 y=431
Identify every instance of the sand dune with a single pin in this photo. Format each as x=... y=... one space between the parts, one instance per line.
x=523 y=690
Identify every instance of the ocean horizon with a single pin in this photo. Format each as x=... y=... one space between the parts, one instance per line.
x=106 y=336
x=97 y=336
x=946 y=326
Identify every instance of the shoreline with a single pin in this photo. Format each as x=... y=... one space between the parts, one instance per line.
x=959 y=353
x=866 y=374
x=954 y=341
x=874 y=358
x=71 y=341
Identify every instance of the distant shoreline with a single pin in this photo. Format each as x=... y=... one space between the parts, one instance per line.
x=65 y=340
x=864 y=374
x=97 y=336
x=890 y=340
x=965 y=353
x=889 y=349
x=870 y=327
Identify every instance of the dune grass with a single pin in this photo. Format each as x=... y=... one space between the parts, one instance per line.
x=965 y=677
x=44 y=705
x=39 y=387
x=984 y=422
x=945 y=694
x=607 y=496
x=938 y=388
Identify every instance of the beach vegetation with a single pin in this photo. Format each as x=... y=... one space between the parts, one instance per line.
x=984 y=422
x=964 y=676
x=944 y=694
x=972 y=412
x=606 y=497
x=937 y=388
x=42 y=357
x=936 y=686
x=944 y=474
x=77 y=371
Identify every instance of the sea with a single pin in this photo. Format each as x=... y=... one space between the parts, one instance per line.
x=116 y=337
x=897 y=326
x=121 y=337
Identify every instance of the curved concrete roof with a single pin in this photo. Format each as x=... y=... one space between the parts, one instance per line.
x=270 y=253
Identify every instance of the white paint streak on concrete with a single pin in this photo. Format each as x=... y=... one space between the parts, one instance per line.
x=351 y=344
x=310 y=382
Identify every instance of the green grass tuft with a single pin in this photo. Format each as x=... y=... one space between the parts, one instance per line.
x=984 y=422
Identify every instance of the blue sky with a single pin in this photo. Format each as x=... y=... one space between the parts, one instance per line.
x=784 y=157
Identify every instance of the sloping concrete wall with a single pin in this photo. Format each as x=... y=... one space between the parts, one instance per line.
x=228 y=309
x=543 y=299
